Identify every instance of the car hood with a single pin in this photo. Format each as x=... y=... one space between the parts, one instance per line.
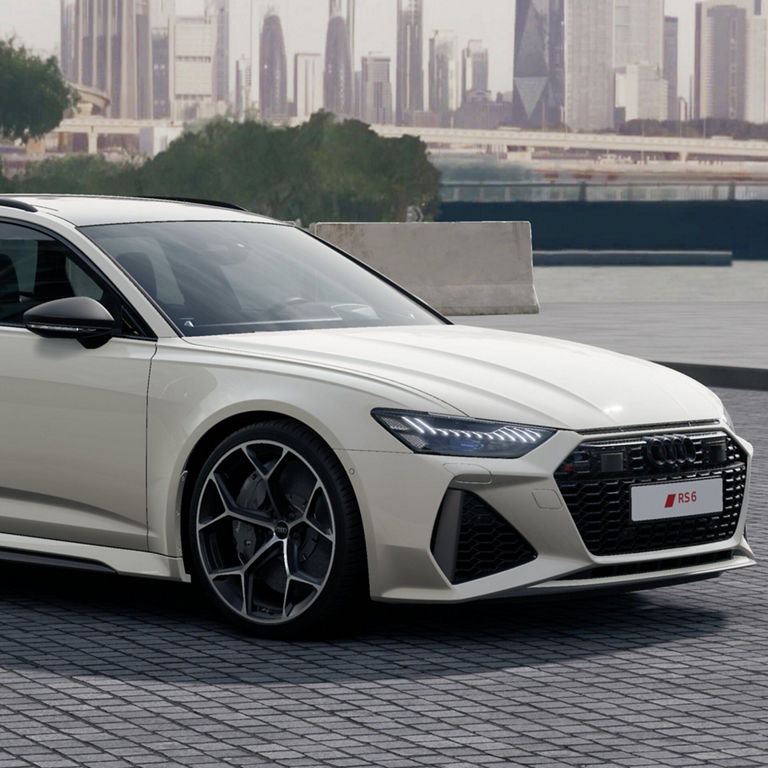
x=498 y=375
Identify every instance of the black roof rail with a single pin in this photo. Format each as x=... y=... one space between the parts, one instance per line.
x=22 y=206
x=199 y=201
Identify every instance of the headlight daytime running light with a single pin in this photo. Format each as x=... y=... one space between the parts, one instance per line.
x=460 y=436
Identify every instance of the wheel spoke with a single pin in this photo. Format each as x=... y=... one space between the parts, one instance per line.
x=223 y=491
x=246 y=516
x=259 y=467
x=233 y=510
x=218 y=573
x=318 y=489
x=260 y=552
x=302 y=579
x=314 y=527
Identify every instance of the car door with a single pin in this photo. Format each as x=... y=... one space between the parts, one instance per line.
x=72 y=420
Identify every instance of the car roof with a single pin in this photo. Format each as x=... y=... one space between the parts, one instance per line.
x=90 y=210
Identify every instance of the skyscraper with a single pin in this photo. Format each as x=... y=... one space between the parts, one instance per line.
x=638 y=33
x=474 y=70
x=641 y=93
x=638 y=56
x=337 y=80
x=106 y=44
x=194 y=51
x=307 y=84
x=670 y=66
x=273 y=84
x=444 y=79
x=730 y=60
x=351 y=30
x=410 y=69
x=243 y=83
x=589 y=78
x=376 y=90
x=219 y=10
x=162 y=20
x=539 y=74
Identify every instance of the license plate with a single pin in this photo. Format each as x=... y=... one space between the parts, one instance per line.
x=684 y=499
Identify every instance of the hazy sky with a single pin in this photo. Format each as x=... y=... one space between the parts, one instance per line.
x=36 y=23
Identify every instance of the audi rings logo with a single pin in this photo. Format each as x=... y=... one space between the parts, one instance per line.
x=670 y=451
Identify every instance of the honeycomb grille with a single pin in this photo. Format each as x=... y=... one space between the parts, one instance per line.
x=487 y=543
x=596 y=481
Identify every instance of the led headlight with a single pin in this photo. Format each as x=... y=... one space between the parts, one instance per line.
x=459 y=436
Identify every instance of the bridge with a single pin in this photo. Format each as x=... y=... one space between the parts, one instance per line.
x=509 y=140
x=158 y=133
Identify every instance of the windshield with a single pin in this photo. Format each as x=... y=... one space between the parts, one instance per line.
x=214 y=277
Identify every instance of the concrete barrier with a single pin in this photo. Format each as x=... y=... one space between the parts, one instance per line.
x=461 y=268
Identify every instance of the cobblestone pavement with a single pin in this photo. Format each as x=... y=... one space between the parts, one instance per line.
x=107 y=672
x=704 y=315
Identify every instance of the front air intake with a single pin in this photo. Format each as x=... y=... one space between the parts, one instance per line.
x=472 y=540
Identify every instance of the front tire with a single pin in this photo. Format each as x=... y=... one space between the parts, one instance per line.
x=274 y=532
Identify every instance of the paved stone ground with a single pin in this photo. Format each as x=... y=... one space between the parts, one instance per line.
x=106 y=672
x=705 y=315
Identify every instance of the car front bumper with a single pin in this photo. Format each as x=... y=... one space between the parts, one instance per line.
x=401 y=496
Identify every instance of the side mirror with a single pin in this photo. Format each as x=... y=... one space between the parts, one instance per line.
x=77 y=317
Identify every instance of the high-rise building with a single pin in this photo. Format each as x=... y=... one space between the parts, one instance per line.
x=444 y=77
x=670 y=66
x=638 y=33
x=243 y=85
x=219 y=10
x=638 y=56
x=107 y=44
x=162 y=20
x=194 y=51
x=539 y=67
x=730 y=60
x=589 y=73
x=273 y=83
x=410 y=69
x=351 y=30
x=474 y=71
x=338 y=85
x=307 y=84
x=376 y=90
x=641 y=93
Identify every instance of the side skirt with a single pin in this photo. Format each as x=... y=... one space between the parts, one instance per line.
x=89 y=557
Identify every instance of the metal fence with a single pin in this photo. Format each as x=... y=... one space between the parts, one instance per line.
x=525 y=191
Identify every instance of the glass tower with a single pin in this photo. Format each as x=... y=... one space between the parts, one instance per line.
x=539 y=76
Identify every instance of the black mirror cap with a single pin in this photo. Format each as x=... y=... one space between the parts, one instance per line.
x=76 y=317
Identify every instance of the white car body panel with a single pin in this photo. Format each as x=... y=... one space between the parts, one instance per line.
x=162 y=398
x=81 y=414
x=497 y=375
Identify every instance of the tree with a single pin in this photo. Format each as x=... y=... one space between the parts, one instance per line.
x=321 y=170
x=33 y=94
x=78 y=175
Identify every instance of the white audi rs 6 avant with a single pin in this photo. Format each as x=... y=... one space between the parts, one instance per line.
x=190 y=391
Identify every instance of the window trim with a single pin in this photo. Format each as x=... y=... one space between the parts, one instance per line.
x=82 y=261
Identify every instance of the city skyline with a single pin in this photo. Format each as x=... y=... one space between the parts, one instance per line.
x=305 y=23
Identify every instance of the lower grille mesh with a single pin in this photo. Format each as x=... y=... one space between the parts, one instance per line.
x=472 y=540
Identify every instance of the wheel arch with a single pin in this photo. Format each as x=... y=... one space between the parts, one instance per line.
x=208 y=441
